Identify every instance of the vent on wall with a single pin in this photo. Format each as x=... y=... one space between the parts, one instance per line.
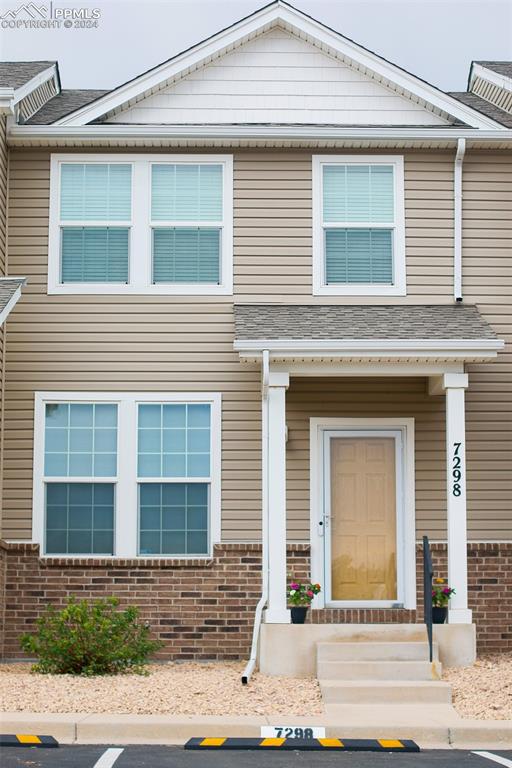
x=496 y=95
x=37 y=98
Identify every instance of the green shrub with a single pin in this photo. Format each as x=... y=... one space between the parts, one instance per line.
x=90 y=638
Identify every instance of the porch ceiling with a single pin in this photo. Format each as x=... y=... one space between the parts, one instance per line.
x=364 y=332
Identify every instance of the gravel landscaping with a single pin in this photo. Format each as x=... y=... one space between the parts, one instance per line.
x=483 y=691
x=173 y=689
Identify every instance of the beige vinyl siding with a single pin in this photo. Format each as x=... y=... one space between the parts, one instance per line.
x=180 y=344
x=3 y=244
x=273 y=228
x=487 y=282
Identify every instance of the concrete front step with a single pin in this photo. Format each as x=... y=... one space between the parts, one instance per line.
x=379 y=670
x=374 y=651
x=385 y=692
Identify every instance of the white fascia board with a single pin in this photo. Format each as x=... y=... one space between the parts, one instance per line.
x=502 y=81
x=47 y=74
x=373 y=348
x=258 y=22
x=10 y=305
x=24 y=135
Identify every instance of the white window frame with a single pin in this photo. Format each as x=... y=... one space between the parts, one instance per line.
x=405 y=496
x=126 y=493
x=140 y=240
x=320 y=286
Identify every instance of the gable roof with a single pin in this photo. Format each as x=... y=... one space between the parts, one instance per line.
x=483 y=106
x=14 y=74
x=65 y=102
x=500 y=67
x=278 y=13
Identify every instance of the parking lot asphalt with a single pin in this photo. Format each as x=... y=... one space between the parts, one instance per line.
x=80 y=756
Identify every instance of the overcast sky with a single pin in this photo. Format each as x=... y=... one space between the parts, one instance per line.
x=434 y=40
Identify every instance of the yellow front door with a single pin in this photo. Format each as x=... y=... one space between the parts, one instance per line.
x=363 y=518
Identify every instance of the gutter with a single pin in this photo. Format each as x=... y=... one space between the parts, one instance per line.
x=20 y=134
x=457 y=220
x=251 y=664
x=371 y=349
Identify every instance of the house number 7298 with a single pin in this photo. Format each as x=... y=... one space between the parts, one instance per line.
x=456 y=471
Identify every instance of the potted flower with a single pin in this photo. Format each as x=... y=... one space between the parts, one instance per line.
x=300 y=597
x=441 y=594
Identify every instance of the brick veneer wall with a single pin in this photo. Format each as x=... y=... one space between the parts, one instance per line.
x=205 y=609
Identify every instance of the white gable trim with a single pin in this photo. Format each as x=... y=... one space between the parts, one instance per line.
x=298 y=23
x=9 y=97
x=501 y=81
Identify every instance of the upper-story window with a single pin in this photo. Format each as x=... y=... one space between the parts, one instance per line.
x=358 y=225
x=141 y=224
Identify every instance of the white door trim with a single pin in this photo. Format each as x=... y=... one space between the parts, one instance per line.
x=406 y=545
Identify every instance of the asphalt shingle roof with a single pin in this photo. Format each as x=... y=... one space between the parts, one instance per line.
x=485 y=107
x=14 y=74
x=65 y=102
x=288 y=321
x=501 y=67
x=8 y=287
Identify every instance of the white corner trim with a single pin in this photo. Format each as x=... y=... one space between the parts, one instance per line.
x=126 y=535
x=10 y=304
x=406 y=538
x=296 y=22
x=140 y=256
x=398 y=286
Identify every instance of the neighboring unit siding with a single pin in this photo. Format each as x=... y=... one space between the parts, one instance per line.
x=3 y=255
x=3 y=193
x=166 y=343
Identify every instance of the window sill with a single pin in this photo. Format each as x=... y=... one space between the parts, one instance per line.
x=359 y=290
x=113 y=289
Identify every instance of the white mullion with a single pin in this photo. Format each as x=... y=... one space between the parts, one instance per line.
x=126 y=496
x=140 y=240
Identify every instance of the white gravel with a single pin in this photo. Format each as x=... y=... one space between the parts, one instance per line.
x=483 y=691
x=174 y=689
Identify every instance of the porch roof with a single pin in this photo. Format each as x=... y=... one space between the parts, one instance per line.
x=10 y=290
x=441 y=331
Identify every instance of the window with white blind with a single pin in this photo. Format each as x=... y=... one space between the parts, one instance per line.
x=358 y=225
x=127 y=474
x=141 y=224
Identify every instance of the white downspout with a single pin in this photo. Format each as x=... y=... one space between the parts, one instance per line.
x=249 y=669
x=457 y=220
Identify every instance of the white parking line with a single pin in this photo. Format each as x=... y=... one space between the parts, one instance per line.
x=109 y=757
x=495 y=758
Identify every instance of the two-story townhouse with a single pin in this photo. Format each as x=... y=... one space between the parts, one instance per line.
x=268 y=288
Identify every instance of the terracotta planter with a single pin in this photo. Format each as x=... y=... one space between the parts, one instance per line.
x=299 y=614
x=439 y=615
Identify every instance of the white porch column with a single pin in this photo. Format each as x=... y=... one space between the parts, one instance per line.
x=454 y=385
x=277 y=612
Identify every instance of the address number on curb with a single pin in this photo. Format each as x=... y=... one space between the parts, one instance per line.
x=292 y=732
